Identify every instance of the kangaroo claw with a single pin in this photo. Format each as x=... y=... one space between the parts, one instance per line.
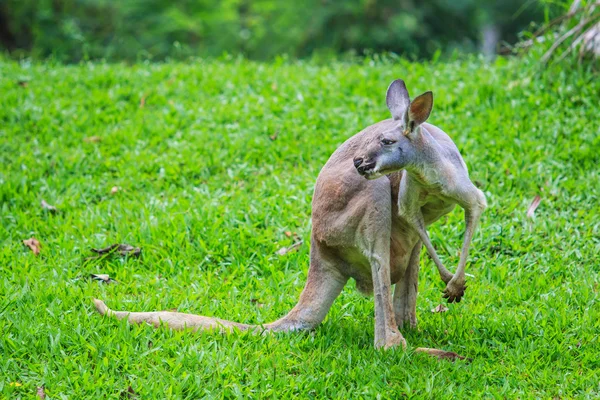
x=454 y=292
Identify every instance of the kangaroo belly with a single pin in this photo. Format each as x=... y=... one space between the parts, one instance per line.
x=356 y=264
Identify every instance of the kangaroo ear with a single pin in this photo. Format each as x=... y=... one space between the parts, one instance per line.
x=397 y=98
x=419 y=111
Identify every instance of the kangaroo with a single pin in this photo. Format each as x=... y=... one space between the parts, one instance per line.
x=372 y=203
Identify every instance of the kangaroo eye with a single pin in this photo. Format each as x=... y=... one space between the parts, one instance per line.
x=387 y=142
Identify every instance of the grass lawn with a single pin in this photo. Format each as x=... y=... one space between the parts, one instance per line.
x=215 y=161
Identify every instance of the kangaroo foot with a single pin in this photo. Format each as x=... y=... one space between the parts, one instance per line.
x=393 y=338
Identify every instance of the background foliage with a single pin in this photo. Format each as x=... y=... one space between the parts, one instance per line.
x=72 y=30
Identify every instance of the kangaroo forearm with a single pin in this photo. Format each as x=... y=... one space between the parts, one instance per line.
x=471 y=221
x=445 y=275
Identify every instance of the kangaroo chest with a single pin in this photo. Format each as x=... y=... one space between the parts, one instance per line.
x=433 y=205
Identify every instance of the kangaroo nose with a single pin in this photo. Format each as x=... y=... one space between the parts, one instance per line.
x=357 y=162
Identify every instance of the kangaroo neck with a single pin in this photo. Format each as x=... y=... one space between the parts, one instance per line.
x=425 y=171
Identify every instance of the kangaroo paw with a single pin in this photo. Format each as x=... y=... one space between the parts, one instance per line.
x=454 y=291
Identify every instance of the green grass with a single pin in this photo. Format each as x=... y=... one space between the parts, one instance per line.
x=208 y=195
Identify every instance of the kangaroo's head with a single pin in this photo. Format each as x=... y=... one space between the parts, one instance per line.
x=400 y=145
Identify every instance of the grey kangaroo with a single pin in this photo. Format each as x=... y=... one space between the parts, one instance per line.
x=372 y=203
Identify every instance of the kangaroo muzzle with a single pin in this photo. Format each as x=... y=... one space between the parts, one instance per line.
x=363 y=167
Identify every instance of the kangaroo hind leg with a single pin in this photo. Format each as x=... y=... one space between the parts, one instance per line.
x=374 y=242
x=405 y=291
x=323 y=285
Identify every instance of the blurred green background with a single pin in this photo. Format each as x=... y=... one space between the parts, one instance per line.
x=74 y=30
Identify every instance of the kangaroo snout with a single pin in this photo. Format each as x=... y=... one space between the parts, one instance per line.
x=363 y=167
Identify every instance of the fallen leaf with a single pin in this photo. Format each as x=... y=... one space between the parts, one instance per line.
x=128 y=250
x=439 y=309
x=284 y=250
x=41 y=393
x=102 y=278
x=122 y=249
x=114 y=190
x=255 y=301
x=106 y=250
x=92 y=139
x=533 y=206
x=15 y=384
x=48 y=207
x=129 y=393
x=142 y=101
x=293 y=235
x=33 y=244
x=442 y=354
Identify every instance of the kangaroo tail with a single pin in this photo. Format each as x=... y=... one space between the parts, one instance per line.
x=174 y=320
x=322 y=287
